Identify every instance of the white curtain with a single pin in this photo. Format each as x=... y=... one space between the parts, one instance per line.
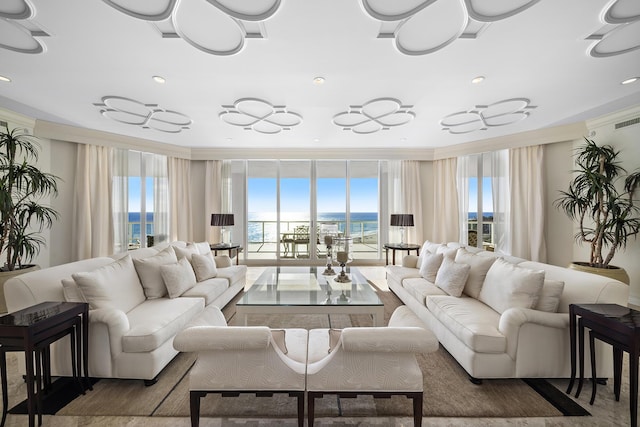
x=412 y=203
x=527 y=203
x=180 y=225
x=404 y=195
x=156 y=167
x=462 y=183
x=212 y=198
x=446 y=221
x=501 y=201
x=92 y=232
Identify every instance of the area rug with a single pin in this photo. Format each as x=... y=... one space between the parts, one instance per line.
x=448 y=391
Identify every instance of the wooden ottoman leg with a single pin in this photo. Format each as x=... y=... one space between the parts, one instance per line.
x=195 y=407
x=417 y=409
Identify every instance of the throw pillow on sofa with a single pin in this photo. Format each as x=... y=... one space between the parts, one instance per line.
x=430 y=265
x=507 y=285
x=204 y=266
x=149 y=272
x=71 y=291
x=549 y=299
x=479 y=268
x=178 y=277
x=114 y=285
x=452 y=277
x=186 y=252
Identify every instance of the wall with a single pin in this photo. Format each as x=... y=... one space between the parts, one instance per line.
x=627 y=141
x=63 y=164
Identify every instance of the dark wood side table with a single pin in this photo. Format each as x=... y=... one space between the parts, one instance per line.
x=616 y=325
x=32 y=330
x=399 y=247
x=233 y=249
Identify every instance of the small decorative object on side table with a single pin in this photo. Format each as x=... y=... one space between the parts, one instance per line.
x=329 y=271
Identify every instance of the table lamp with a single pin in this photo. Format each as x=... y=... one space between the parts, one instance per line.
x=222 y=220
x=402 y=221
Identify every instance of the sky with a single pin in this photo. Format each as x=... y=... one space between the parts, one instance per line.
x=295 y=194
x=134 y=194
x=487 y=200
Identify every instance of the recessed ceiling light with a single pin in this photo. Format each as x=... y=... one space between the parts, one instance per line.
x=159 y=79
x=316 y=139
x=631 y=80
x=4 y=79
x=477 y=80
x=318 y=80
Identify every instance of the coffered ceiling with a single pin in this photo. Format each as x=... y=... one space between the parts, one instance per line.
x=318 y=74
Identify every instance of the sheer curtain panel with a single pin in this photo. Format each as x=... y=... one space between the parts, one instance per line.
x=157 y=168
x=92 y=232
x=412 y=203
x=527 y=203
x=462 y=184
x=501 y=201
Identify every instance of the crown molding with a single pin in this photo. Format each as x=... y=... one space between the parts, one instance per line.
x=543 y=136
x=17 y=120
x=305 y=153
x=60 y=132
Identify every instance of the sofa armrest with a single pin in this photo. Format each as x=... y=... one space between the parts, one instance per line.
x=116 y=322
x=223 y=261
x=513 y=319
x=230 y=338
x=410 y=261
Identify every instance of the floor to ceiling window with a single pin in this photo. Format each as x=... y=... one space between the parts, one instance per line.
x=288 y=201
x=483 y=199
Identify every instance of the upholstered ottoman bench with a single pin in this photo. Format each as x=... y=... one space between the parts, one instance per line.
x=377 y=361
x=243 y=359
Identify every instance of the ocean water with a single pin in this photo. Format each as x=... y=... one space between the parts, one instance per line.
x=134 y=221
x=263 y=226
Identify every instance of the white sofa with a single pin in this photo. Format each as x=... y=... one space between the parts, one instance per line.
x=520 y=335
x=134 y=314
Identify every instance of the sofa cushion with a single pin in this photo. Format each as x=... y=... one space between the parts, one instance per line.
x=115 y=285
x=149 y=272
x=234 y=273
x=204 y=266
x=420 y=288
x=471 y=321
x=209 y=289
x=507 y=285
x=186 y=252
x=72 y=292
x=447 y=252
x=550 y=296
x=430 y=265
x=203 y=248
x=478 y=271
x=155 y=321
x=452 y=277
x=401 y=273
x=178 y=277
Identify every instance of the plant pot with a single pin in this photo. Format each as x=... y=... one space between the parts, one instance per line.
x=6 y=275
x=611 y=271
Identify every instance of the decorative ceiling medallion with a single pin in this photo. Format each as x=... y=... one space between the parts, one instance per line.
x=259 y=116
x=20 y=36
x=482 y=117
x=212 y=26
x=420 y=27
x=375 y=115
x=147 y=116
x=620 y=32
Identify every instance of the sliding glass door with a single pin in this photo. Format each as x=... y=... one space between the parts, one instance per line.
x=289 y=200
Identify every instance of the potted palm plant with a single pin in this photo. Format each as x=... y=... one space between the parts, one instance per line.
x=23 y=216
x=601 y=199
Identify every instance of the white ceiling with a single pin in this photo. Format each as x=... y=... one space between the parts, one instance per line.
x=239 y=74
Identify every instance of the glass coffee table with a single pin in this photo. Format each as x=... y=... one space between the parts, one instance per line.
x=305 y=290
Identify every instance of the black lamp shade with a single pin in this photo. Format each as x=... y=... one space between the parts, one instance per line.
x=402 y=220
x=221 y=219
